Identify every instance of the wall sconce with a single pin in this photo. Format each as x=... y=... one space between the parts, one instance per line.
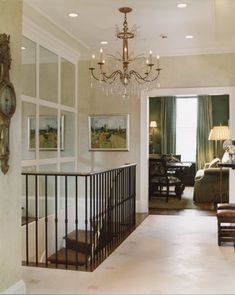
x=153 y=125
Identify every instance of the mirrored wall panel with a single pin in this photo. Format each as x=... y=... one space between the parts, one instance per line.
x=48 y=133
x=48 y=75
x=48 y=107
x=67 y=83
x=31 y=193
x=28 y=69
x=68 y=134
x=28 y=131
x=49 y=190
x=71 y=182
x=67 y=167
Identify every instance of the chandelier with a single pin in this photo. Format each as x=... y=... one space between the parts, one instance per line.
x=125 y=80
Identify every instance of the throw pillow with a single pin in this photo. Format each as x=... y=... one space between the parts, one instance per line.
x=225 y=158
x=214 y=163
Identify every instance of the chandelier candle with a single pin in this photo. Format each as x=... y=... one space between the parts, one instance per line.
x=101 y=55
x=150 y=57
x=158 y=61
x=92 y=60
x=124 y=80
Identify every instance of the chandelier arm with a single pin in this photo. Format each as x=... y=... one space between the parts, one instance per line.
x=93 y=75
x=111 y=81
x=141 y=82
x=137 y=75
x=155 y=78
x=144 y=79
x=158 y=73
x=113 y=75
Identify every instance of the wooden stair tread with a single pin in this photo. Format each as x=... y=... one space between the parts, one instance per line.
x=61 y=257
x=81 y=236
x=82 y=243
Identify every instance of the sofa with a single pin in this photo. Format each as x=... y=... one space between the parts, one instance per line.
x=207 y=185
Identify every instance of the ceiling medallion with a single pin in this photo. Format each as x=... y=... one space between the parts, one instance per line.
x=125 y=80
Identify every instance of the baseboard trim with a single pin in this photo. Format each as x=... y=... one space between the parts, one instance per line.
x=142 y=206
x=17 y=288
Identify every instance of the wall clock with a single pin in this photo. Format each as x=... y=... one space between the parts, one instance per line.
x=7 y=101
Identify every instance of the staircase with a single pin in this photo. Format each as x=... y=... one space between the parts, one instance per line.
x=108 y=198
x=79 y=246
x=78 y=249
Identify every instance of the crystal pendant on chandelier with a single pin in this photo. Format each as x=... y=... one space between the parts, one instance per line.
x=125 y=80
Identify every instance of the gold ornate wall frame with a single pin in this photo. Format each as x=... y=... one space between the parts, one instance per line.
x=7 y=100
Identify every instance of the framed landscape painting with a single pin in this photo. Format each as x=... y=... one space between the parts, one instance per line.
x=109 y=132
x=48 y=136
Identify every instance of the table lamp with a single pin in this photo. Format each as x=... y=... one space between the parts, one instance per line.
x=219 y=133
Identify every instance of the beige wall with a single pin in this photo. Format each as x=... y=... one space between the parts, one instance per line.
x=96 y=102
x=10 y=184
x=178 y=72
x=198 y=71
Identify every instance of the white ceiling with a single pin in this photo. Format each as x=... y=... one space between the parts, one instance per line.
x=211 y=22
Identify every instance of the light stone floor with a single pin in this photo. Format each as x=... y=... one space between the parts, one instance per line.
x=164 y=255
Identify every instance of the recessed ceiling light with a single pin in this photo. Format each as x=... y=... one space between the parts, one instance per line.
x=189 y=37
x=73 y=14
x=23 y=48
x=104 y=42
x=163 y=36
x=182 y=5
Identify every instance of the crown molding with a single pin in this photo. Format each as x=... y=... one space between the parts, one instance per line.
x=51 y=20
x=49 y=41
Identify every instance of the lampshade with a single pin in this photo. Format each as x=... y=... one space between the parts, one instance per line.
x=153 y=124
x=219 y=133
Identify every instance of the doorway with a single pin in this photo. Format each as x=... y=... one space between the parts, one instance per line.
x=144 y=136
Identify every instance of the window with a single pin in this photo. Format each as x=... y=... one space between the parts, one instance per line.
x=186 y=127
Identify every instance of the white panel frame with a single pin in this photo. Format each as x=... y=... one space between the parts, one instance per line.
x=48 y=41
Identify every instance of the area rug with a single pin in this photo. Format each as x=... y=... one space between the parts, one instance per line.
x=174 y=203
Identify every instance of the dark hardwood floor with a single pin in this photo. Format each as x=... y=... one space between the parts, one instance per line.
x=139 y=218
x=176 y=207
x=182 y=212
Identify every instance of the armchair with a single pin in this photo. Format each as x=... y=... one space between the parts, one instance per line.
x=160 y=180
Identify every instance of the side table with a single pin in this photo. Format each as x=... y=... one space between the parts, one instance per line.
x=225 y=214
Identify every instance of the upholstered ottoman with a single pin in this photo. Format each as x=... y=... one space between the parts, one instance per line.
x=226 y=224
x=226 y=206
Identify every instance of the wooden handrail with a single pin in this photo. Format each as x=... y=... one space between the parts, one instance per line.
x=49 y=173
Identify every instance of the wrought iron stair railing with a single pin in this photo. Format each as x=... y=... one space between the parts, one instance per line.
x=78 y=218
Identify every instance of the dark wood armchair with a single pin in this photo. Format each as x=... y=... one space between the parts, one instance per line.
x=160 y=181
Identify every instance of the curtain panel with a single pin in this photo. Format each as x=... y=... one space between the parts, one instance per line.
x=204 y=125
x=168 y=125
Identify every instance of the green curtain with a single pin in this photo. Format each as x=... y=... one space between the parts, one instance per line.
x=204 y=125
x=168 y=125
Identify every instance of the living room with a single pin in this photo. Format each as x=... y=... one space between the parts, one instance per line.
x=175 y=123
